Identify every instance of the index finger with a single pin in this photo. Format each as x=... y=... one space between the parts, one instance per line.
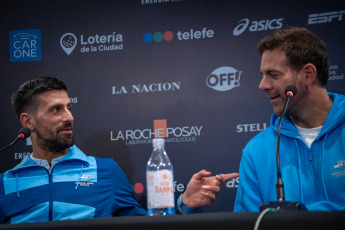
x=229 y=176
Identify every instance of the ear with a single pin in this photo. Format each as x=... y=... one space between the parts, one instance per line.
x=27 y=120
x=310 y=74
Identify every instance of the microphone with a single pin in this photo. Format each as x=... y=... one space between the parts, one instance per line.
x=290 y=91
x=23 y=133
x=281 y=204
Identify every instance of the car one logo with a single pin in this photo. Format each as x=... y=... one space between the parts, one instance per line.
x=224 y=78
x=25 y=45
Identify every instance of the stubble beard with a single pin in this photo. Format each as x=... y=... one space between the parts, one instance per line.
x=54 y=141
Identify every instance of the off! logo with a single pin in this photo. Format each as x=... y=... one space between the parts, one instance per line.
x=224 y=78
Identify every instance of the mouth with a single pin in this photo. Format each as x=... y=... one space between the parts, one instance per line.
x=274 y=99
x=66 y=130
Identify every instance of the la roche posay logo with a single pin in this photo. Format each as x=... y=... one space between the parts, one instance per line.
x=224 y=78
x=178 y=134
x=25 y=45
x=91 y=44
x=269 y=24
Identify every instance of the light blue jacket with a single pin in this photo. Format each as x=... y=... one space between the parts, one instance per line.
x=313 y=176
x=79 y=187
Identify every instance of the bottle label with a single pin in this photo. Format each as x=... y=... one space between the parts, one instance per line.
x=160 y=190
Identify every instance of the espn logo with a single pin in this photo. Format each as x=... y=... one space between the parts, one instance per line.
x=325 y=17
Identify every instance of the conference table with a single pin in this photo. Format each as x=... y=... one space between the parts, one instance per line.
x=212 y=221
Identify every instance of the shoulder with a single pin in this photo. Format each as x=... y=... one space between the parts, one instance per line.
x=261 y=138
x=104 y=163
x=108 y=165
x=338 y=100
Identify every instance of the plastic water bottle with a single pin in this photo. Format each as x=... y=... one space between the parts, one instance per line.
x=160 y=182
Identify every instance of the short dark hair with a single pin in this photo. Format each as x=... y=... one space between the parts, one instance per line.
x=301 y=47
x=25 y=97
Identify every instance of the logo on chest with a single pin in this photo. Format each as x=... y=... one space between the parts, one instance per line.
x=339 y=166
x=84 y=180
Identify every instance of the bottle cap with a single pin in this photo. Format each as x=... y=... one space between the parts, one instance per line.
x=158 y=142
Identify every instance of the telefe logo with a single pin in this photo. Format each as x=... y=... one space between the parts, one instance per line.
x=180 y=35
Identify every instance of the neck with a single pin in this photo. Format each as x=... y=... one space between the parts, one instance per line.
x=46 y=154
x=314 y=113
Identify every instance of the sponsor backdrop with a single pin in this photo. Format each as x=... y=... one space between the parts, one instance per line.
x=184 y=70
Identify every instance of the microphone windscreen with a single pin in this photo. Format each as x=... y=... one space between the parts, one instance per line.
x=24 y=132
x=291 y=89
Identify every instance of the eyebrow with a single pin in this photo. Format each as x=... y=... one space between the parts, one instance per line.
x=270 y=71
x=60 y=104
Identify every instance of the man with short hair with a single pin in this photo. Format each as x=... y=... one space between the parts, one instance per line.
x=312 y=141
x=58 y=181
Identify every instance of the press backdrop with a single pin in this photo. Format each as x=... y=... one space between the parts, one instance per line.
x=186 y=70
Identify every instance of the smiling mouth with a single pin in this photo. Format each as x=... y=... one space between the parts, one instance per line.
x=274 y=98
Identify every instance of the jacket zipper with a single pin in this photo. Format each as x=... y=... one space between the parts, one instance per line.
x=50 y=197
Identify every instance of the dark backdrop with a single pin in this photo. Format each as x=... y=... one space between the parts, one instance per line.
x=129 y=63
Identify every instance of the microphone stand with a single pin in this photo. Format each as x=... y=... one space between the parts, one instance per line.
x=281 y=204
x=12 y=143
x=23 y=134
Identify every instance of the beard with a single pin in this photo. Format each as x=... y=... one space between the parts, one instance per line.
x=297 y=105
x=52 y=140
x=290 y=110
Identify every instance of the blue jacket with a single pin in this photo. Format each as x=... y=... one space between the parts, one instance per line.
x=314 y=176
x=79 y=187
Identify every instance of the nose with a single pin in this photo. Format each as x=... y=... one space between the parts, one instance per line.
x=265 y=84
x=68 y=117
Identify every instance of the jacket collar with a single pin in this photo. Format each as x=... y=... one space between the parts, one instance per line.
x=73 y=154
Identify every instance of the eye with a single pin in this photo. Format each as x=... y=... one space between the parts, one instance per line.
x=273 y=75
x=55 y=109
